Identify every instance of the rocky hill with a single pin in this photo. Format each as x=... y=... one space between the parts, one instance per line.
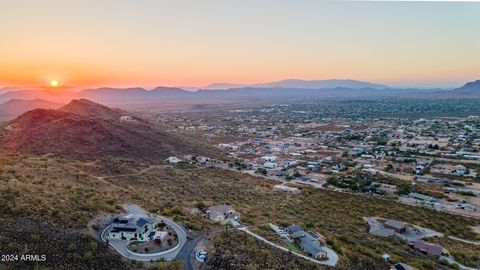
x=86 y=130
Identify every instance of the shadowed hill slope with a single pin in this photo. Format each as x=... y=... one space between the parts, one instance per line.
x=86 y=130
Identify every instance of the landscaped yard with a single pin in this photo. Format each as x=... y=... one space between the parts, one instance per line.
x=155 y=245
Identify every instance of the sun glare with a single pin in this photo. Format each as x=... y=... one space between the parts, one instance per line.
x=53 y=83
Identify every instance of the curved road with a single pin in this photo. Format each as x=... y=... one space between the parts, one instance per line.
x=332 y=256
x=187 y=253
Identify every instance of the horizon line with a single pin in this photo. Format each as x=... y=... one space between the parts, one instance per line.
x=241 y=85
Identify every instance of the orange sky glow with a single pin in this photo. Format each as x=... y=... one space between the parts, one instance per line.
x=187 y=43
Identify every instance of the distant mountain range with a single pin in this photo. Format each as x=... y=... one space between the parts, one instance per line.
x=287 y=89
x=15 y=107
x=300 y=84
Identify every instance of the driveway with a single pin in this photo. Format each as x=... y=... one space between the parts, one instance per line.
x=332 y=256
x=418 y=233
x=452 y=261
x=410 y=235
x=121 y=245
x=134 y=209
x=187 y=253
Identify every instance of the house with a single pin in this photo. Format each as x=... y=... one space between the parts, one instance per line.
x=419 y=169
x=222 y=212
x=397 y=226
x=357 y=151
x=313 y=165
x=131 y=228
x=269 y=158
x=337 y=168
x=173 y=160
x=284 y=188
x=269 y=165
x=459 y=170
x=126 y=118
x=308 y=243
x=313 y=250
x=423 y=198
x=289 y=163
x=467 y=207
x=293 y=228
x=279 y=173
x=202 y=159
x=298 y=234
x=428 y=248
x=382 y=232
x=402 y=266
x=160 y=235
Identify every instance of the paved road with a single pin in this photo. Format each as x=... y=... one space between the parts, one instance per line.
x=332 y=256
x=476 y=243
x=187 y=253
x=451 y=260
x=466 y=161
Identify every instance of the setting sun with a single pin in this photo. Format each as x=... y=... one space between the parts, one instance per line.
x=54 y=83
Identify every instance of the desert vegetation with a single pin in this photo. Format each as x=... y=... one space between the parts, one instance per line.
x=170 y=190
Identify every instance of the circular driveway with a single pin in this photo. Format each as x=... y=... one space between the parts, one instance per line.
x=121 y=245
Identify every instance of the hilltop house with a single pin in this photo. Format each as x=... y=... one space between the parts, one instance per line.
x=173 y=160
x=434 y=250
x=293 y=228
x=126 y=118
x=423 y=198
x=381 y=231
x=387 y=229
x=222 y=212
x=131 y=228
x=269 y=165
x=269 y=158
x=308 y=242
x=396 y=226
x=287 y=189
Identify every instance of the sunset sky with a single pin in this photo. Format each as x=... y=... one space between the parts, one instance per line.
x=92 y=43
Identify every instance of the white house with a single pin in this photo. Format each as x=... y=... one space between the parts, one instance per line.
x=368 y=166
x=132 y=228
x=269 y=158
x=289 y=163
x=222 y=212
x=126 y=118
x=173 y=160
x=459 y=170
x=269 y=165
x=284 y=188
